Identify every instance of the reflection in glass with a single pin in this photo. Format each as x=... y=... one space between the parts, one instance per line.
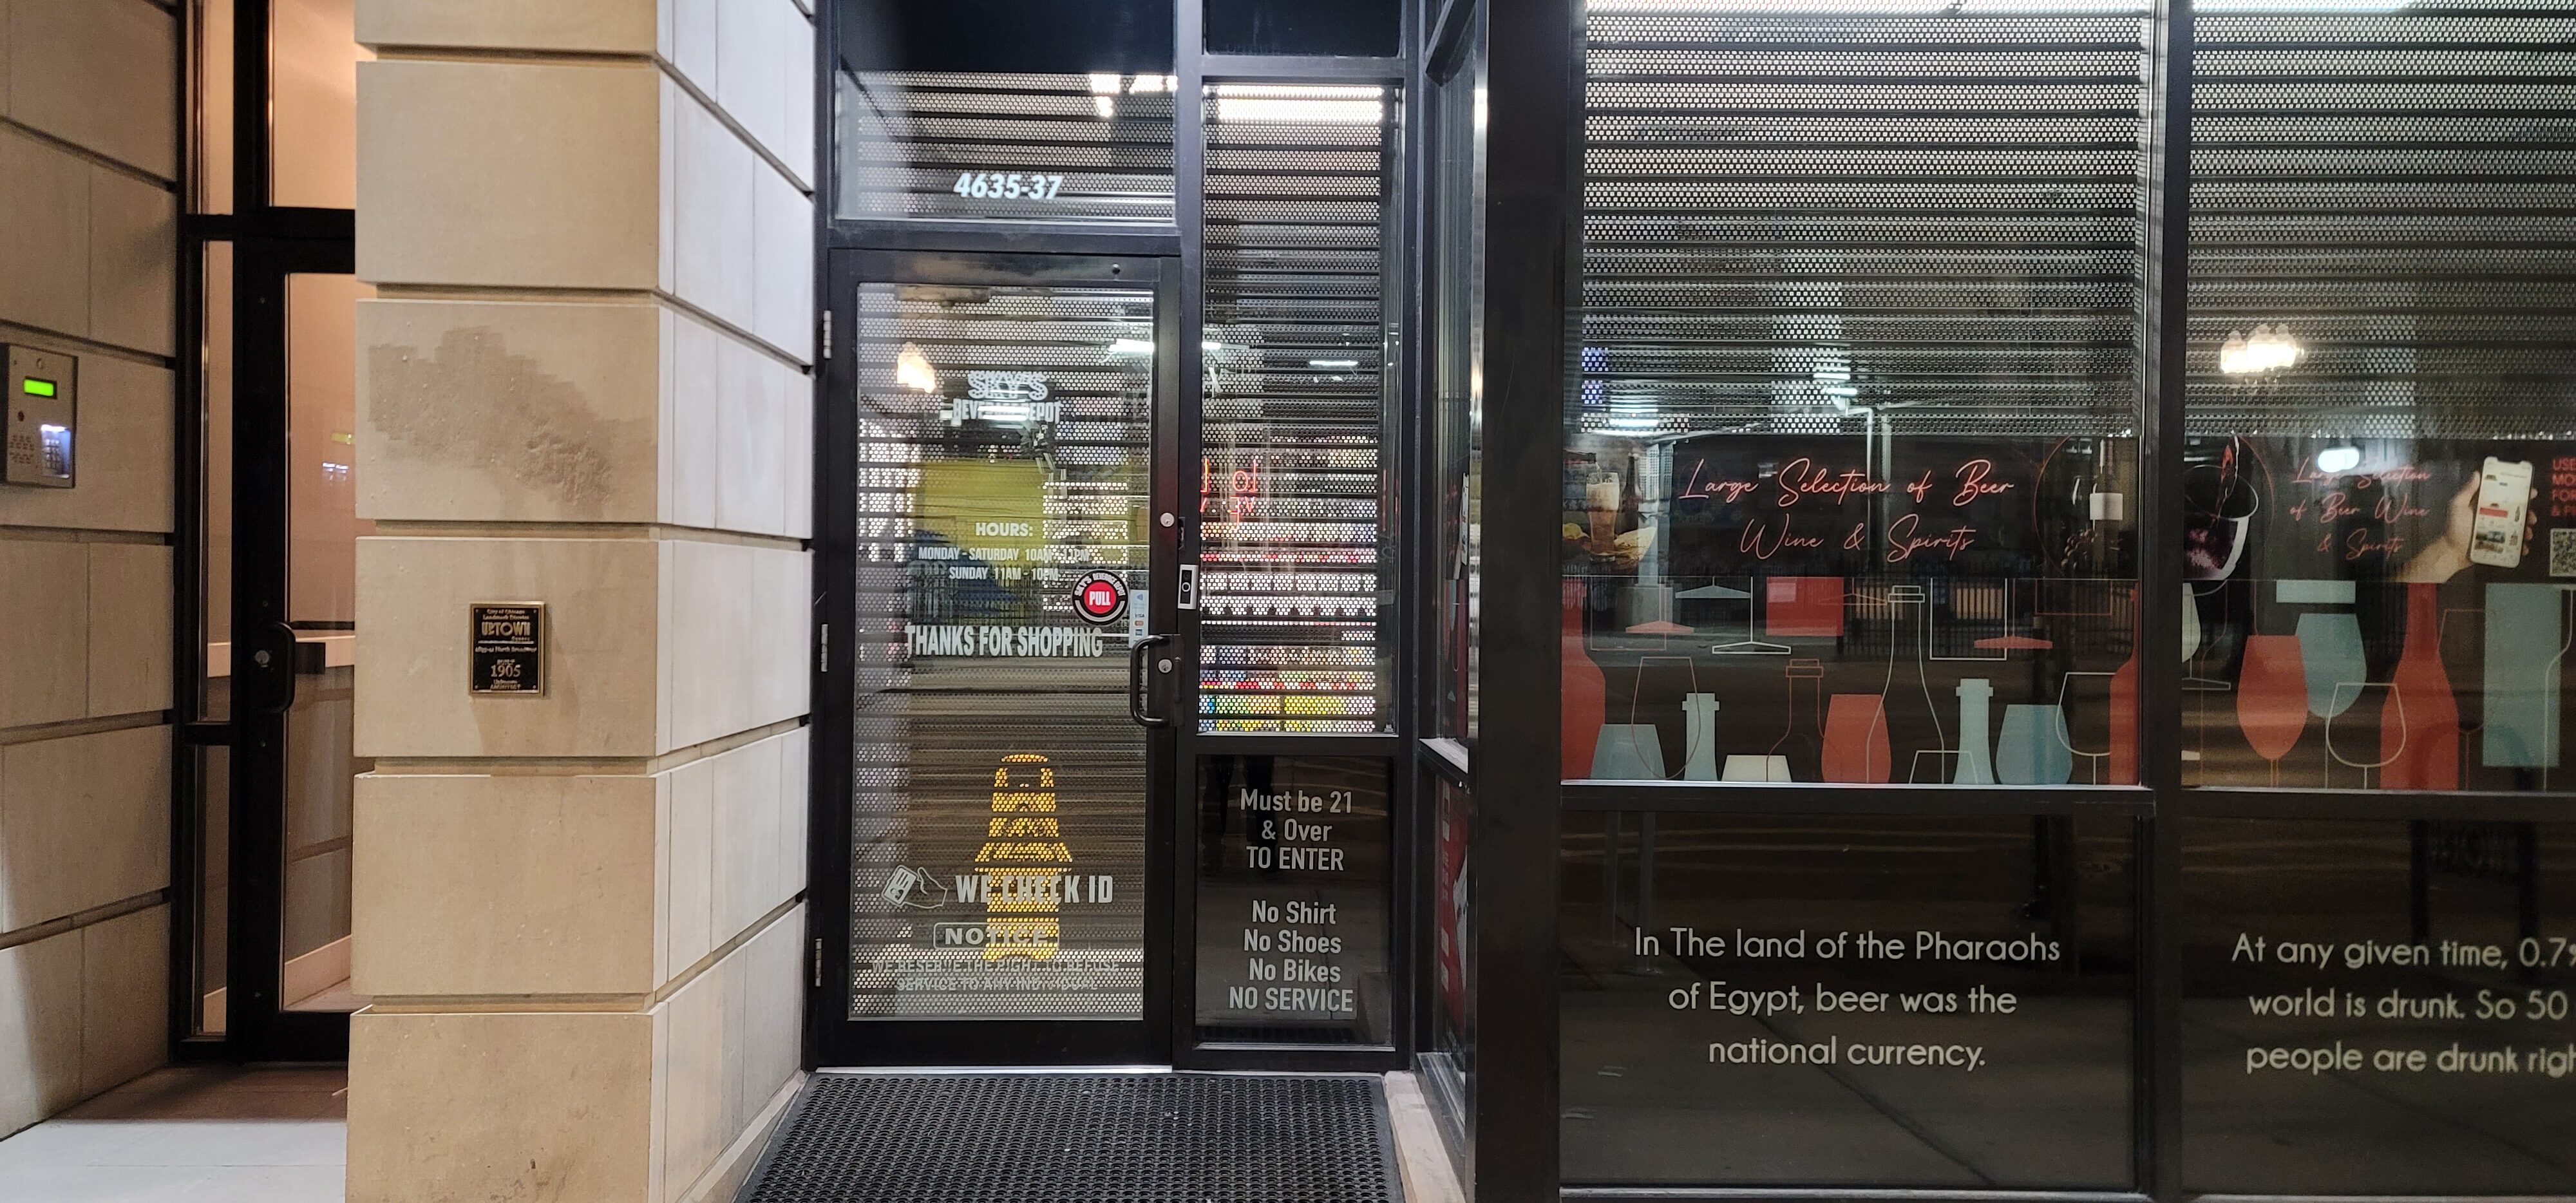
x=323 y=530
x=213 y=961
x=2380 y=439
x=313 y=110
x=1857 y=414
x=1357 y=28
x=1296 y=558
x=1686 y=938
x=211 y=87
x=1458 y=357
x=1005 y=456
x=215 y=488
x=2378 y=1008
x=1296 y=873
x=1449 y=1067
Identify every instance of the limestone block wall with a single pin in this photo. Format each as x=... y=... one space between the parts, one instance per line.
x=89 y=156
x=585 y=381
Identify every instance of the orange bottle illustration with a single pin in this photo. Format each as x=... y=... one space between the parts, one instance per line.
x=1023 y=860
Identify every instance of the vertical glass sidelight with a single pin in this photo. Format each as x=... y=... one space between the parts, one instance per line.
x=1455 y=259
x=323 y=529
x=1853 y=460
x=313 y=110
x=1296 y=560
x=212 y=914
x=1457 y=284
x=1296 y=868
x=1005 y=464
x=2380 y=540
x=211 y=85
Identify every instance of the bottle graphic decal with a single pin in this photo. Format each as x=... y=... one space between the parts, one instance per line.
x=1023 y=861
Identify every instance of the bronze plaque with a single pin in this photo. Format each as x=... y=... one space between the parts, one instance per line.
x=509 y=648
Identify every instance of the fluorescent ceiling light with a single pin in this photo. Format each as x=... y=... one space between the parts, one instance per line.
x=1132 y=346
x=1333 y=365
x=2268 y=349
x=1331 y=104
x=912 y=370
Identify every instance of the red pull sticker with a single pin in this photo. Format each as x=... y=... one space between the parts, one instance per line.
x=1100 y=597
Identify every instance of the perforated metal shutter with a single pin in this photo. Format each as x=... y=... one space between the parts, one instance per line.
x=1058 y=148
x=2394 y=190
x=1794 y=214
x=1294 y=570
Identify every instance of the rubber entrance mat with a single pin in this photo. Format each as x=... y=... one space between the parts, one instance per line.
x=1081 y=1138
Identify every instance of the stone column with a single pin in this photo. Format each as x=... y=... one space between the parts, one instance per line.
x=585 y=381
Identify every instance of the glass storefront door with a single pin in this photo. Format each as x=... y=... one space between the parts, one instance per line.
x=1006 y=682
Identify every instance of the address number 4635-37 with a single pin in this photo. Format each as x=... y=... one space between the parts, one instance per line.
x=991 y=184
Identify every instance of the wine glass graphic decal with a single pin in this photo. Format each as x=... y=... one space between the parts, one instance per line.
x=2338 y=751
x=2272 y=697
x=2220 y=500
x=2332 y=659
x=2195 y=641
x=2033 y=748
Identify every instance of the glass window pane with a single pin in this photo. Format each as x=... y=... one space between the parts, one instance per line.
x=2377 y=1008
x=215 y=581
x=1006 y=455
x=323 y=531
x=1296 y=565
x=1296 y=871
x=1458 y=357
x=1356 y=28
x=1036 y=37
x=214 y=919
x=1822 y=1002
x=1093 y=147
x=1448 y=1067
x=313 y=110
x=2381 y=470
x=212 y=80
x=1854 y=451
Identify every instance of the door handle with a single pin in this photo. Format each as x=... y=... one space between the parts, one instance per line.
x=1136 y=684
x=278 y=670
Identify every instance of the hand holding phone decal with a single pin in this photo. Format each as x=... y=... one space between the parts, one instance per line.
x=2497 y=535
x=2491 y=523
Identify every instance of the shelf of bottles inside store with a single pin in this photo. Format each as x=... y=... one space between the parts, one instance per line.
x=1293 y=560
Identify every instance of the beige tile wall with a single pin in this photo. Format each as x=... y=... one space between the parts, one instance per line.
x=89 y=147
x=585 y=381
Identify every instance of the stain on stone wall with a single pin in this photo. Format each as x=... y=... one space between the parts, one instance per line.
x=474 y=404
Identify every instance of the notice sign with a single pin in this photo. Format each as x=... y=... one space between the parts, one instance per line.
x=2378 y=1007
x=1293 y=899
x=509 y=648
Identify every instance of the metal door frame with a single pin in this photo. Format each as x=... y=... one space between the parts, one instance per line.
x=269 y=242
x=263 y=694
x=832 y=1038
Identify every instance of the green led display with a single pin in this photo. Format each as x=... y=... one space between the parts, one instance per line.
x=39 y=388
